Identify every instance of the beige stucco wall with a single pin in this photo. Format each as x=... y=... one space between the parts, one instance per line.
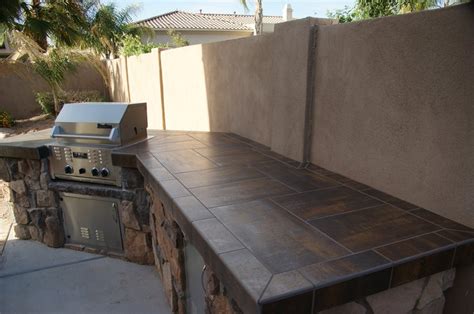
x=394 y=107
x=196 y=37
x=118 y=79
x=18 y=87
x=145 y=85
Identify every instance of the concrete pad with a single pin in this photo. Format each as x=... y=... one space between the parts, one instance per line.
x=22 y=256
x=36 y=278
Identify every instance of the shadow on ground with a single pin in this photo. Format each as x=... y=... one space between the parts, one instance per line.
x=36 y=278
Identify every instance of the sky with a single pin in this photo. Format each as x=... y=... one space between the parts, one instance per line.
x=301 y=8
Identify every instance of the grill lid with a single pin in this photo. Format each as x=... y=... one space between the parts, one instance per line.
x=101 y=123
x=107 y=112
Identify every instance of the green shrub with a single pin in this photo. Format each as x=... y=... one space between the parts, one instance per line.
x=45 y=99
x=6 y=120
x=133 y=46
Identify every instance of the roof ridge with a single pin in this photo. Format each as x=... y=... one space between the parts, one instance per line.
x=156 y=16
x=232 y=14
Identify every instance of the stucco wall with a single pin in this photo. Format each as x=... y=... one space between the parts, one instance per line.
x=145 y=85
x=196 y=37
x=394 y=107
x=18 y=87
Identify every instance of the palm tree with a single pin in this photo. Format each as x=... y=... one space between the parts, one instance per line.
x=258 y=26
x=107 y=26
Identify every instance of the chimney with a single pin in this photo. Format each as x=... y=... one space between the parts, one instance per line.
x=287 y=12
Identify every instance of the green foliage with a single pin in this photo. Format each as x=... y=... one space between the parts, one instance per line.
x=345 y=15
x=132 y=46
x=6 y=120
x=177 y=39
x=54 y=68
x=366 y=9
x=108 y=25
x=46 y=100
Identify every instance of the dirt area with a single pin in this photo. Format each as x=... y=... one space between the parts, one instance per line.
x=31 y=125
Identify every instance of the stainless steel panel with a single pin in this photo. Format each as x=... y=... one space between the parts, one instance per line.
x=194 y=264
x=82 y=160
x=92 y=221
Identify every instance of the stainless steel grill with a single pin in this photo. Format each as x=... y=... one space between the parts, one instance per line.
x=85 y=135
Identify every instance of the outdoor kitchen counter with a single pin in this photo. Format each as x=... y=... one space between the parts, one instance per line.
x=280 y=237
x=27 y=146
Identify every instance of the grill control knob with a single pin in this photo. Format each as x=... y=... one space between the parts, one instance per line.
x=68 y=169
x=95 y=172
x=104 y=172
x=82 y=171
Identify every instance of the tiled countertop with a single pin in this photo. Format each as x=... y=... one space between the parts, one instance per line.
x=286 y=239
x=28 y=146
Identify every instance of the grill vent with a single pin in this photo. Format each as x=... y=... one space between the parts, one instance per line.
x=99 y=235
x=85 y=233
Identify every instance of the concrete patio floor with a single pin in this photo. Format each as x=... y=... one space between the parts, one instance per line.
x=36 y=278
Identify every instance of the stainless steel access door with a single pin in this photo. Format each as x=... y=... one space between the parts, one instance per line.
x=92 y=221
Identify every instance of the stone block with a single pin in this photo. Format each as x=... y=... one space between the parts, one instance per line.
x=33 y=184
x=54 y=234
x=22 y=200
x=137 y=248
x=45 y=198
x=35 y=233
x=24 y=167
x=401 y=299
x=432 y=291
x=21 y=214
x=434 y=307
x=44 y=180
x=128 y=216
x=132 y=178
x=167 y=280
x=4 y=170
x=22 y=232
x=448 y=278
x=92 y=250
x=18 y=186
x=35 y=166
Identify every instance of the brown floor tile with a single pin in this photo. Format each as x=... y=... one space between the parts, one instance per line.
x=372 y=227
x=300 y=180
x=413 y=246
x=172 y=146
x=241 y=191
x=324 y=273
x=390 y=199
x=456 y=236
x=440 y=220
x=247 y=158
x=217 y=176
x=316 y=204
x=217 y=151
x=214 y=139
x=275 y=237
x=183 y=161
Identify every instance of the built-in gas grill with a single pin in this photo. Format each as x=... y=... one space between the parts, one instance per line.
x=85 y=135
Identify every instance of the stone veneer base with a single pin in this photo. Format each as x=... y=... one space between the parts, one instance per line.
x=38 y=216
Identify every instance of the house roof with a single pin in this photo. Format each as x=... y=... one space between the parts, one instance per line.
x=181 y=20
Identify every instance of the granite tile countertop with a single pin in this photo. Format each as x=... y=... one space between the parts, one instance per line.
x=283 y=237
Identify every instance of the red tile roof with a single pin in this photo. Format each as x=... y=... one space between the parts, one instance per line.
x=181 y=20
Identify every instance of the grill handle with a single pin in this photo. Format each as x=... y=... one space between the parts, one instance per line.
x=113 y=136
